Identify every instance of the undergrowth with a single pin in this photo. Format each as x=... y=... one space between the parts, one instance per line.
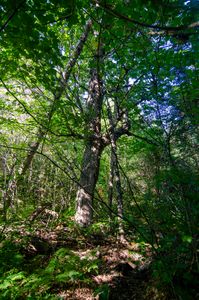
x=41 y=277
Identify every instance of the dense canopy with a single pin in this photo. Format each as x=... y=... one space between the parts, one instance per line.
x=99 y=128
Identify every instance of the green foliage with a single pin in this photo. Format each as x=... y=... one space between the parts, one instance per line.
x=176 y=266
x=149 y=68
x=174 y=219
x=10 y=256
x=98 y=228
x=21 y=278
x=102 y=292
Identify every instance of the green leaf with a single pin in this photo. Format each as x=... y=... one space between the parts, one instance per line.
x=187 y=238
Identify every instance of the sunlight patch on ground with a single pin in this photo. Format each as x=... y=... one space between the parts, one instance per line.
x=77 y=294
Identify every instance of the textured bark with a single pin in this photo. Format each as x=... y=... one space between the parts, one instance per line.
x=96 y=142
x=92 y=153
x=87 y=183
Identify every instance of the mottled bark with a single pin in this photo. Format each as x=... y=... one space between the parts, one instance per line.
x=87 y=183
x=95 y=144
x=92 y=153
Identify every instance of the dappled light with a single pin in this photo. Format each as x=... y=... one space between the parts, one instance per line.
x=99 y=161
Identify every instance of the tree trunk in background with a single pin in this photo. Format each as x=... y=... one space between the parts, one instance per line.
x=119 y=194
x=92 y=153
x=63 y=84
x=33 y=150
x=9 y=184
x=115 y=173
x=110 y=184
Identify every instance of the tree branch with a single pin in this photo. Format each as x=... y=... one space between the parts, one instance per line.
x=12 y=15
x=125 y=18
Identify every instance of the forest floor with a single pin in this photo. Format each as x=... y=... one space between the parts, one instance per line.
x=39 y=261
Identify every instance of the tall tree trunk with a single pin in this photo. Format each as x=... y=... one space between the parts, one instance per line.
x=110 y=183
x=119 y=194
x=115 y=166
x=95 y=144
x=92 y=153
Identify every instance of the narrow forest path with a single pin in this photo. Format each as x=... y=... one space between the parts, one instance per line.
x=64 y=262
x=122 y=270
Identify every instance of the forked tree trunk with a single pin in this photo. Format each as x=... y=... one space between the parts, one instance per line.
x=96 y=142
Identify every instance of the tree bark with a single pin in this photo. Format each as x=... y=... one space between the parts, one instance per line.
x=87 y=183
x=92 y=153
x=119 y=193
x=95 y=144
x=115 y=166
x=110 y=184
x=33 y=149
